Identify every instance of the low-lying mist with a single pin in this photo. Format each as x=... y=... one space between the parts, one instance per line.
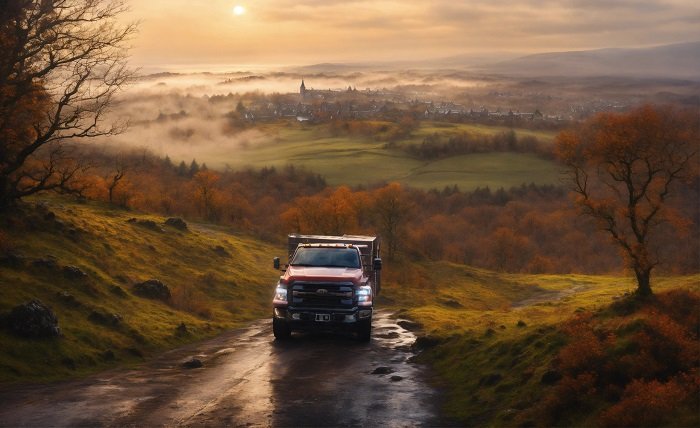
x=193 y=115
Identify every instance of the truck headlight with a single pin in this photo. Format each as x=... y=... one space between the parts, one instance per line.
x=364 y=295
x=280 y=294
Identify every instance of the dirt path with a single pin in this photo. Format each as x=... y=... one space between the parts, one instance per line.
x=248 y=379
x=551 y=296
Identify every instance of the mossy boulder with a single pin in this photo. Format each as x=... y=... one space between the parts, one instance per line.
x=153 y=289
x=32 y=320
x=177 y=223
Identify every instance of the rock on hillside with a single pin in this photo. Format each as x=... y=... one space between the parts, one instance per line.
x=152 y=289
x=33 y=320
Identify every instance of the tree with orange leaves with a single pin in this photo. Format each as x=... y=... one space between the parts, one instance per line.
x=392 y=208
x=624 y=168
x=334 y=213
x=205 y=193
x=61 y=63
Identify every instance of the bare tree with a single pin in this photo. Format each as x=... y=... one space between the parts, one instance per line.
x=62 y=62
x=119 y=169
x=624 y=167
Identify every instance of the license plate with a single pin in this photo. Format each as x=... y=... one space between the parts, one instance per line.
x=323 y=317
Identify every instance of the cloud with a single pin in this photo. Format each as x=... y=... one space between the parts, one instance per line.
x=304 y=31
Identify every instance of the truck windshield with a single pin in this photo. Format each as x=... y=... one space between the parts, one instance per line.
x=326 y=257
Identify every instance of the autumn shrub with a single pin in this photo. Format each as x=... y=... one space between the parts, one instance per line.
x=683 y=307
x=635 y=361
x=586 y=351
x=645 y=403
x=635 y=368
x=670 y=343
x=189 y=299
x=571 y=392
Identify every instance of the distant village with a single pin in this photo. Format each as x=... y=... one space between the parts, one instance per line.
x=317 y=106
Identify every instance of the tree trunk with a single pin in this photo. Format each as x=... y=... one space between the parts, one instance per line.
x=643 y=282
x=6 y=193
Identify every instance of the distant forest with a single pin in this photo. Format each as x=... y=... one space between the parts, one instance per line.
x=533 y=229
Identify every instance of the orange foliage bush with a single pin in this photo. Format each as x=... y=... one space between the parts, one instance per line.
x=644 y=365
x=570 y=394
x=190 y=299
x=586 y=350
x=645 y=404
x=682 y=306
x=670 y=343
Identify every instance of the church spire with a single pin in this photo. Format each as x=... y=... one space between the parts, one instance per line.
x=302 y=89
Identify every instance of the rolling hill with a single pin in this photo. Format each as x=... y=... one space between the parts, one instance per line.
x=358 y=160
x=495 y=340
x=675 y=61
x=83 y=261
x=672 y=61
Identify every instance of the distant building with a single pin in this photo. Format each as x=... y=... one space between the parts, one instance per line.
x=302 y=89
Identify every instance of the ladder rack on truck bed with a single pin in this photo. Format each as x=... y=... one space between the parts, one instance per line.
x=369 y=247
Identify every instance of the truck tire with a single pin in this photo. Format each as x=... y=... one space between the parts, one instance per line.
x=280 y=329
x=364 y=330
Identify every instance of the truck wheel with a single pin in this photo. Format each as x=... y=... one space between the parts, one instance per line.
x=364 y=330
x=280 y=329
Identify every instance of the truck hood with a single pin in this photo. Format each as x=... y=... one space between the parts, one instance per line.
x=324 y=274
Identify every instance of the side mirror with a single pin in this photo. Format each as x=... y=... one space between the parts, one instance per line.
x=377 y=264
x=276 y=263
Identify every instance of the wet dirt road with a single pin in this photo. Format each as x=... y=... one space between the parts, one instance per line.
x=248 y=379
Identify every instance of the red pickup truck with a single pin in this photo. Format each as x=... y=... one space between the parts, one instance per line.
x=329 y=284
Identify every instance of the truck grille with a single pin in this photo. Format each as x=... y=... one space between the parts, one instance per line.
x=322 y=295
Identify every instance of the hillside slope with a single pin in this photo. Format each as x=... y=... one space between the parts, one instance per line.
x=495 y=341
x=676 y=61
x=217 y=281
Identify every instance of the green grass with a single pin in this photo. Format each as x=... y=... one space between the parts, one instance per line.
x=429 y=128
x=358 y=160
x=212 y=292
x=488 y=364
x=479 y=170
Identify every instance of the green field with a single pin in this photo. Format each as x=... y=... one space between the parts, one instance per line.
x=357 y=160
x=428 y=128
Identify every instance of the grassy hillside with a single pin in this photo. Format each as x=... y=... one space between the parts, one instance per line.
x=218 y=280
x=355 y=159
x=494 y=338
x=498 y=342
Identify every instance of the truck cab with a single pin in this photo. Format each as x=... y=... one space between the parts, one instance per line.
x=329 y=284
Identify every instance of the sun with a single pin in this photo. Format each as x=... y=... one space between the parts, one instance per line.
x=238 y=10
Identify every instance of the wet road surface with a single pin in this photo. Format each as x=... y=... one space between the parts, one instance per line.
x=248 y=379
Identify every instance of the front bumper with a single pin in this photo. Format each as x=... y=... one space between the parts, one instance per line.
x=308 y=319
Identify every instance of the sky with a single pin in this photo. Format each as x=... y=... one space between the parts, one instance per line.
x=299 y=32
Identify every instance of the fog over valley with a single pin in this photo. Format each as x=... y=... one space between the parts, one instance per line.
x=192 y=115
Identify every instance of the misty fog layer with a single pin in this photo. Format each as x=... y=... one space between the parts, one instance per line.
x=193 y=115
x=187 y=116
